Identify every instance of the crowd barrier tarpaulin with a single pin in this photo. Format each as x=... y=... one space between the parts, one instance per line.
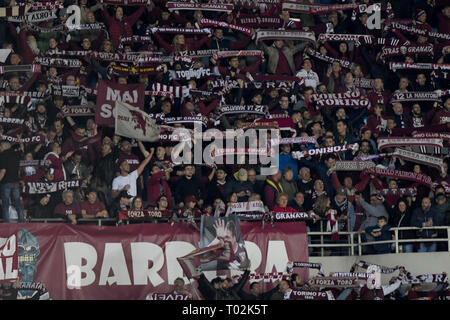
x=71 y=262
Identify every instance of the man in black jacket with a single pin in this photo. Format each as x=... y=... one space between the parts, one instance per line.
x=256 y=294
x=189 y=185
x=213 y=291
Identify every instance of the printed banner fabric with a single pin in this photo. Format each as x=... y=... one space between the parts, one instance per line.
x=128 y=262
x=109 y=93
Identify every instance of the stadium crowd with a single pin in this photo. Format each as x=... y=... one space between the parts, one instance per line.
x=376 y=87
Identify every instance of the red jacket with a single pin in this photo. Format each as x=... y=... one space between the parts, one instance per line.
x=123 y=28
x=153 y=188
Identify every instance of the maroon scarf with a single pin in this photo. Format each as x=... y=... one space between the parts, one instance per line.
x=20 y=68
x=315 y=54
x=418 y=66
x=213 y=23
x=388 y=142
x=397 y=174
x=199 y=6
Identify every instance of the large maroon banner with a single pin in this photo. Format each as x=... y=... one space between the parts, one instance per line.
x=110 y=92
x=128 y=262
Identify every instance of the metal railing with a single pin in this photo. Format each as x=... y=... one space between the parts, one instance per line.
x=360 y=243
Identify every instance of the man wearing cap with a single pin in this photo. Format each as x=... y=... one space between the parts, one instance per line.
x=241 y=186
x=126 y=181
x=122 y=202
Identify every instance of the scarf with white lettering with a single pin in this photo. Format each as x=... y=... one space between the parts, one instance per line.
x=269 y=276
x=72 y=53
x=58 y=62
x=441 y=74
x=383 y=269
x=50 y=187
x=219 y=152
x=36 y=16
x=222 y=24
x=357 y=275
x=284 y=35
x=64 y=90
x=418 y=66
x=34 y=163
x=126 y=2
x=433 y=135
x=134 y=39
x=16 y=99
x=388 y=142
x=343 y=95
x=302 y=294
x=315 y=54
x=419 y=158
x=47 y=5
x=353 y=165
x=297 y=264
x=181 y=30
x=295 y=140
x=172 y=6
x=20 y=68
x=415 y=96
x=249 y=4
x=11 y=120
x=27 y=140
x=199 y=73
x=364 y=83
x=176 y=91
x=325 y=150
x=31 y=94
x=189 y=119
x=238 y=109
x=291 y=216
x=317 y=8
x=241 y=207
x=364 y=39
x=168 y=296
x=417 y=49
x=77 y=111
x=143 y=214
x=354 y=103
x=237 y=53
x=398 y=191
x=133 y=70
x=260 y=22
x=393 y=24
x=398 y=174
x=333 y=282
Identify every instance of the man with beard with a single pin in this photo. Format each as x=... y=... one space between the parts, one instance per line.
x=40 y=118
x=400 y=118
x=126 y=181
x=216 y=187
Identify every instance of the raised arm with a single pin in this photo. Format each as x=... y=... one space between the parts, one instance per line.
x=145 y=162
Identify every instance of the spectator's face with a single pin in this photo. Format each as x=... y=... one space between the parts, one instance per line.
x=323 y=50
x=417 y=169
x=52 y=43
x=282 y=201
x=300 y=199
x=393 y=184
x=349 y=78
x=125 y=167
x=333 y=18
x=273 y=93
x=53 y=72
x=381 y=223
x=90 y=18
x=77 y=159
x=398 y=108
x=426 y=204
x=68 y=199
x=257 y=99
x=233 y=198
x=178 y=285
x=416 y=109
x=403 y=83
x=341 y=128
x=336 y=67
x=221 y=175
x=41 y=109
x=307 y=65
x=234 y=63
x=329 y=142
x=219 y=34
x=279 y=44
x=119 y=13
x=390 y=124
x=284 y=286
x=402 y=206
x=367 y=135
x=256 y=289
x=446 y=11
x=14 y=84
x=363 y=19
x=81 y=132
x=126 y=146
x=86 y=44
x=138 y=203
x=166 y=108
x=348 y=182
x=70 y=80
x=284 y=102
x=343 y=48
x=106 y=149
x=180 y=39
x=305 y=174
x=378 y=84
x=59 y=127
x=422 y=17
x=15 y=59
x=251 y=175
x=92 y=197
x=318 y=185
x=189 y=171
x=122 y=80
x=160 y=152
x=340 y=113
x=163 y=203
x=421 y=79
x=447 y=104
x=107 y=46
x=365 y=147
x=44 y=201
x=289 y=175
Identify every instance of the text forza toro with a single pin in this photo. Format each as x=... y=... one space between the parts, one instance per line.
x=83 y=267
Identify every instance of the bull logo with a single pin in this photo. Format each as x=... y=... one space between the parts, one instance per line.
x=140 y=122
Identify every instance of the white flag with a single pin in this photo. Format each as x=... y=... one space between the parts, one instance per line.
x=134 y=123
